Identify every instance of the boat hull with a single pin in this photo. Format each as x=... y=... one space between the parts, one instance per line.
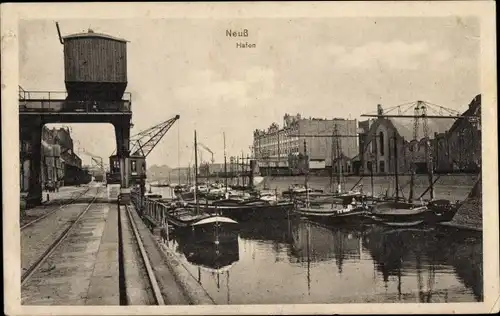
x=356 y=215
x=433 y=213
x=208 y=230
x=210 y=234
x=242 y=212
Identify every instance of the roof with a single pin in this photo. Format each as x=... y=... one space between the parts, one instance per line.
x=92 y=34
x=474 y=109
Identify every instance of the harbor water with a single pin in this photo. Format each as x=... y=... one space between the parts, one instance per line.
x=297 y=261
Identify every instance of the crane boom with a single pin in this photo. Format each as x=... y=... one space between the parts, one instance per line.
x=99 y=163
x=96 y=159
x=144 y=142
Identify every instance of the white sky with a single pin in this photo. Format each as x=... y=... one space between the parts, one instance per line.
x=328 y=67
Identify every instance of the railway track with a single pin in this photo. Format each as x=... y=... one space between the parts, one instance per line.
x=57 y=208
x=131 y=245
x=29 y=271
x=89 y=254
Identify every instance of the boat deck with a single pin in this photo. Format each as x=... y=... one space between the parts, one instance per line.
x=400 y=211
x=187 y=215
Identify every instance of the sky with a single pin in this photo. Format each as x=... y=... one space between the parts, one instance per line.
x=318 y=67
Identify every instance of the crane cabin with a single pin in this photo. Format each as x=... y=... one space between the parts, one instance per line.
x=136 y=166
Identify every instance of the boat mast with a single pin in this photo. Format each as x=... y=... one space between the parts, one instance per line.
x=339 y=158
x=237 y=170
x=372 y=162
x=333 y=162
x=225 y=162
x=306 y=174
x=396 y=165
x=242 y=169
x=195 y=171
x=428 y=150
x=179 y=154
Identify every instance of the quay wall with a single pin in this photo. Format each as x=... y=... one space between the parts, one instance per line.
x=177 y=284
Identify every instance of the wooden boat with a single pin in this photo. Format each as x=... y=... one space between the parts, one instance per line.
x=331 y=198
x=398 y=213
x=441 y=211
x=298 y=191
x=333 y=208
x=239 y=209
x=201 y=226
x=404 y=214
x=342 y=210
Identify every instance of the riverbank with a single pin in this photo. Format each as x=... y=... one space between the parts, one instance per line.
x=451 y=187
x=469 y=215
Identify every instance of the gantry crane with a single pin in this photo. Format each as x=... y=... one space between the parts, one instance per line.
x=422 y=111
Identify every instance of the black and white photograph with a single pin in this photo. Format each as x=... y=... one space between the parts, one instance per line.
x=330 y=158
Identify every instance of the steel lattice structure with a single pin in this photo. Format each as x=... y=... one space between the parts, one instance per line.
x=97 y=160
x=145 y=141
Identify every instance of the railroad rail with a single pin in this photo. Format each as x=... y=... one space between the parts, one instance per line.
x=53 y=246
x=153 y=282
x=58 y=207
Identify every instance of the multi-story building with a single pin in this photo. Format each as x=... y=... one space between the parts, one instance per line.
x=57 y=159
x=459 y=149
x=455 y=144
x=276 y=147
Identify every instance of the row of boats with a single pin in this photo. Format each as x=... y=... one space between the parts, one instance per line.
x=217 y=218
x=214 y=210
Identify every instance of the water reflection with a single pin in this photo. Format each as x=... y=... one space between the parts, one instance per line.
x=297 y=261
x=209 y=256
x=425 y=254
x=319 y=243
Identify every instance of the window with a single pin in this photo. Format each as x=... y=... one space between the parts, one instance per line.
x=381 y=141
x=134 y=166
x=382 y=166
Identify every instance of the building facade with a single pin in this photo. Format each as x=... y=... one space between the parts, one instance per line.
x=56 y=157
x=279 y=147
x=453 y=145
x=459 y=149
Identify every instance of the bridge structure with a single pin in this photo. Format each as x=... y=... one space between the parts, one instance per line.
x=37 y=108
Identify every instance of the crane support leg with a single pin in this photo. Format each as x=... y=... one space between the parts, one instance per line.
x=122 y=133
x=35 y=139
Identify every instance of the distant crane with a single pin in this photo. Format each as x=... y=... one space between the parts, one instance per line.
x=97 y=160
